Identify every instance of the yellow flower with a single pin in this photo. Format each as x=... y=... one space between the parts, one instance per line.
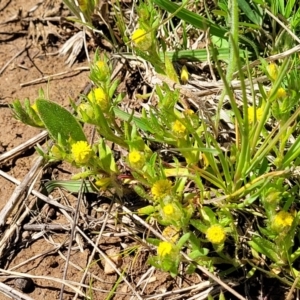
x=56 y=152
x=281 y=93
x=216 y=234
x=272 y=70
x=81 y=152
x=142 y=39
x=168 y=209
x=189 y=112
x=259 y=114
x=171 y=233
x=82 y=4
x=103 y=183
x=164 y=248
x=282 y=220
x=184 y=76
x=178 y=127
x=102 y=70
x=138 y=36
x=134 y=157
x=161 y=188
x=100 y=97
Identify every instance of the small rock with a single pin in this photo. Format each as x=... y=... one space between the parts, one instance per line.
x=24 y=284
x=26 y=235
x=114 y=255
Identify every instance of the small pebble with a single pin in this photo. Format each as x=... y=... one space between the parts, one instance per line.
x=26 y=235
x=24 y=284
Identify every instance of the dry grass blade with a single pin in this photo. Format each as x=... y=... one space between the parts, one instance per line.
x=91 y=257
x=12 y=293
x=72 y=47
x=103 y=255
x=68 y=283
x=28 y=144
x=18 y=192
x=38 y=194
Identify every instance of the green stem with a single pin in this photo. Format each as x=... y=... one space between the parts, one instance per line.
x=234 y=30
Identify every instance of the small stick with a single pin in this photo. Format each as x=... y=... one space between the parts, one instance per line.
x=283 y=26
x=38 y=194
x=46 y=78
x=271 y=58
x=28 y=144
x=14 y=57
x=46 y=227
x=16 y=196
x=13 y=293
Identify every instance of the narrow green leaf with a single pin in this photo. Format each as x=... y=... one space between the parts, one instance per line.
x=250 y=13
x=170 y=71
x=265 y=247
x=191 y=17
x=72 y=186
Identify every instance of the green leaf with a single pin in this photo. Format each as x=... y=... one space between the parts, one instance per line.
x=265 y=247
x=107 y=161
x=250 y=13
x=59 y=121
x=183 y=240
x=25 y=114
x=196 y=254
x=170 y=71
x=72 y=186
x=191 y=17
x=198 y=225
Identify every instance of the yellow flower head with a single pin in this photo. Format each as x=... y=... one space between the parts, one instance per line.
x=178 y=127
x=272 y=70
x=259 y=114
x=161 y=188
x=171 y=233
x=139 y=36
x=81 y=152
x=134 y=157
x=82 y=4
x=216 y=234
x=281 y=93
x=184 y=76
x=142 y=39
x=56 y=152
x=164 y=248
x=282 y=220
x=100 y=97
x=189 y=112
x=103 y=70
x=168 y=209
x=103 y=183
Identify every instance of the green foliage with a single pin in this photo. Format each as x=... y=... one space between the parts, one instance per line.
x=59 y=122
x=225 y=204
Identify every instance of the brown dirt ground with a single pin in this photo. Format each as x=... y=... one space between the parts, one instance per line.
x=45 y=255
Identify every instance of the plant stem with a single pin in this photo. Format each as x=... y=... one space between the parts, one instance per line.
x=234 y=27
